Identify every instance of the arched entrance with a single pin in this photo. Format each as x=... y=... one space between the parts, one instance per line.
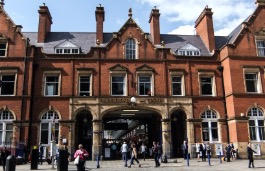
x=178 y=131
x=83 y=130
x=131 y=125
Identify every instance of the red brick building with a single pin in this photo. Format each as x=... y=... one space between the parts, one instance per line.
x=101 y=88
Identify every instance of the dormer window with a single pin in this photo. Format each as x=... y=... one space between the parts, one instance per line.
x=67 y=47
x=188 y=50
x=261 y=47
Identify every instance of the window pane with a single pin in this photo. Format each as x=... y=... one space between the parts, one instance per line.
x=44 y=133
x=215 y=134
x=176 y=85
x=144 y=85
x=261 y=48
x=251 y=82
x=206 y=85
x=84 y=86
x=205 y=124
x=8 y=85
x=118 y=85
x=251 y=123
x=130 y=49
x=52 y=83
x=205 y=134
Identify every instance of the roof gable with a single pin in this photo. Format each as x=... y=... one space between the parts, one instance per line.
x=188 y=46
x=66 y=44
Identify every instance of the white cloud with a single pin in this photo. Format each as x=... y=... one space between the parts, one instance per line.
x=188 y=11
x=184 y=30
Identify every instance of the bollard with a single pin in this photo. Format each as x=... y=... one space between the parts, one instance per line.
x=188 y=159
x=98 y=166
x=62 y=164
x=220 y=157
x=11 y=163
x=34 y=159
x=209 y=159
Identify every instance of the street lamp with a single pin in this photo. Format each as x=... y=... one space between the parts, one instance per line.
x=133 y=101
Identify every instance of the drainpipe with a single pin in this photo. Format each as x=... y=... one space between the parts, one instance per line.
x=221 y=69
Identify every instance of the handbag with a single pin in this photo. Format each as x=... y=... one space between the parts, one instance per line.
x=76 y=162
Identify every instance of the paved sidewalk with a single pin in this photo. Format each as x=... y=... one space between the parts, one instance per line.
x=148 y=165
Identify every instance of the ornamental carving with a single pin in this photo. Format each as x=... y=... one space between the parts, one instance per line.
x=260 y=32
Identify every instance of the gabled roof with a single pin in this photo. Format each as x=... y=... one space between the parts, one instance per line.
x=66 y=44
x=188 y=46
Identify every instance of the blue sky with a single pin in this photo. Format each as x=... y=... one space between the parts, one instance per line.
x=177 y=16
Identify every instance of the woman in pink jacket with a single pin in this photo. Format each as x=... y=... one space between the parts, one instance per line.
x=82 y=153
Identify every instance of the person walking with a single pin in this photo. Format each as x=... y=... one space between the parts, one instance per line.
x=208 y=151
x=143 y=150
x=228 y=152
x=184 y=148
x=197 y=146
x=41 y=149
x=250 y=156
x=134 y=156
x=203 y=151
x=124 y=151
x=83 y=154
x=4 y=154
x=159 y=152
x=233 y=151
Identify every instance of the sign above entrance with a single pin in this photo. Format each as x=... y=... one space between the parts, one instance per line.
x=128 y=100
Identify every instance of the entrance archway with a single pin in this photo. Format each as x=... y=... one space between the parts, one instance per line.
x=83 y=130
x=178 y=131
x=131 y=125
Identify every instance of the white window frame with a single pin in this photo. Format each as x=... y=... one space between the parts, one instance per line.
x=209 y=117
x=178 y=74
x=260 y=49
x=146 y=74
x=134 y=49
x=213 y=84
x=8 y=72
x=51 y=74
x=85 y=73
x=66 y=51
x=51 y=118
x=3 y=42
x=256 y=114
x=124 y=76
x=189 y=52
x=258 y=83
x=5 y=121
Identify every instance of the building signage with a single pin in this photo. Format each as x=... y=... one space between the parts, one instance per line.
x=127 y=100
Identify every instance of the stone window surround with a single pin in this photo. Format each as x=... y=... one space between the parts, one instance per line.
x=253 y=70
x=85 y=73
x=207 y=74
x=51 y=73
x=119 y=73
x=178 y=73
x=6 y=71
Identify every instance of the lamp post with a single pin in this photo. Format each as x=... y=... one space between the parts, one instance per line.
x=133 y=102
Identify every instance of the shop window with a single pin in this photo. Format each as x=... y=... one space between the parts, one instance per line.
x=209 y=126
x=49 y=127
x=256 y=124
x=6 y=127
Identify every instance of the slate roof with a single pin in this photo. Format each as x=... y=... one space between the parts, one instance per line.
x=86 y=40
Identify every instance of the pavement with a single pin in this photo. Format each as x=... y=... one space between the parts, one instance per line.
x=148 y=165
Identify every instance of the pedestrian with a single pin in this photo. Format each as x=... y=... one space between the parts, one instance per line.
x=233 y=151
x=184 y=148
x=83 y=154
x=228 y=152
x=4 y=154
x=159 y=152
x=41 y=150
x=197 y=146
x=143 y=150
x=124 y=151
x=208 y=151
x=134 y=156
x=203 y=151
x=67 y=151
x=250 y=156
x=155 y=152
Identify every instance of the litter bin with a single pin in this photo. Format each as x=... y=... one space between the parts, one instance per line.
x=62 y=161
x=34 y=159
x=11 y=163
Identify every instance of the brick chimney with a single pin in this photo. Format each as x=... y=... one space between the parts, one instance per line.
x=2 y=3
x=260 y=2
x=45 y=22
x=154 y=26
x=100 y=17
x=204 y=28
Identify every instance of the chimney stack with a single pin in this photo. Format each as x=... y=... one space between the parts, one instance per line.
x=260 y=2
x=2 y=3
x=155 y=26
x=100 y=17
x=204 y=28
x=45 y=22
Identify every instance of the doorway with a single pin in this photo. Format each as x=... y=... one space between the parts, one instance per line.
x=178 y=132
x=83 y=131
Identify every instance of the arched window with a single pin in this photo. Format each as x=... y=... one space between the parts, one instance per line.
x=6 y=127
x=209 y=126
x=130 y=48
x=256 y=124
x=49 y=127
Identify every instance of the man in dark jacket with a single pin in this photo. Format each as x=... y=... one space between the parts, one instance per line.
x=184 y=148
x=203 y=151
x=4 y=154
x=228 y=152
x=250 y=156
